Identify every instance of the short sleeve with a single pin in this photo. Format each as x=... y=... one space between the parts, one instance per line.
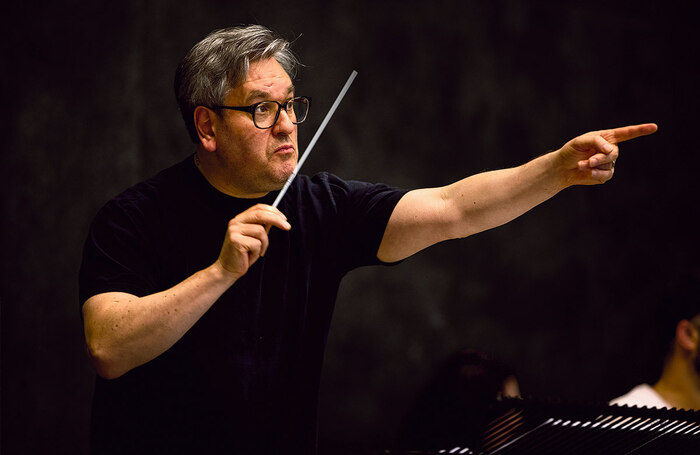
x=118 y=254
x=364 y=210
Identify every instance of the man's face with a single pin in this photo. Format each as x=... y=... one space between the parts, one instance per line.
x=256 y=161
x=696 y=359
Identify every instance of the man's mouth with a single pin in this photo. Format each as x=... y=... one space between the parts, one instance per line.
x=287 y=148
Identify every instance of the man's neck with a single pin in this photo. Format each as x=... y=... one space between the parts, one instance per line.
x=209 y=170
x=679 y=384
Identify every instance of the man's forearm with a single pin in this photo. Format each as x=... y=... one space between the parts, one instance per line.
x=493 y=198
x=123 y=331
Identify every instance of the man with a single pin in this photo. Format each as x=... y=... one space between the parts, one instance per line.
x=679 y=328
x=202 y=347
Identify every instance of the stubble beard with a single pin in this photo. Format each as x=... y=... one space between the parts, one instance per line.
x=286 y=170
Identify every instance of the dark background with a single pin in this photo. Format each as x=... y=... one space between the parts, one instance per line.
x=564 y=294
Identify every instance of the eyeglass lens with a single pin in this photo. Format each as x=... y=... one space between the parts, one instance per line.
x=266 y=112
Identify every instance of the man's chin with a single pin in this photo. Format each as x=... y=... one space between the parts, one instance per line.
x=282 y=181
x=278 y=181
x=284 y=173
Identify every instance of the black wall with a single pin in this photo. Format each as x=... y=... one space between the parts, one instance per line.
x=565 y=294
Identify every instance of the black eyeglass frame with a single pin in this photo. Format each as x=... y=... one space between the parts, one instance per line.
x=251 y=109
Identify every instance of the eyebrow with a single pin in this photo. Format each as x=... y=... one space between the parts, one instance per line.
x=263 y=95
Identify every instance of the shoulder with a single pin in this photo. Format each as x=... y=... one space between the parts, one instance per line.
x=350 y=204
x=325 y=183
x=337 y=190
x=148 y=195
x=641 y=395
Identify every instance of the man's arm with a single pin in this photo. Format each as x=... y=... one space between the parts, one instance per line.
x=123 y=331
x=427 y=216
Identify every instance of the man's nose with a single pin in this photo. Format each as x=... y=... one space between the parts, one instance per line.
x=284 y=123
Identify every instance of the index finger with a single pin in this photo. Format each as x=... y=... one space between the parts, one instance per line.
x=626 y=133
x=266 y=208
x=264 y=215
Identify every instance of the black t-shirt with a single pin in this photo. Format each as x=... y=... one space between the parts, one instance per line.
x=244 y=378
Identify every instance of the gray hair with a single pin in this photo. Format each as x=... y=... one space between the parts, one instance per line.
x=221 y=61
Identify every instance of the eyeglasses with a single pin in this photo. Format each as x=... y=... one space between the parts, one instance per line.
x=266 y=113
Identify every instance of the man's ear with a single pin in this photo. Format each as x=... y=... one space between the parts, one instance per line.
x=687 y=335
x=204 y=124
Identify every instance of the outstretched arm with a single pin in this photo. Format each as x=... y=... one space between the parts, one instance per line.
x=427 y=216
